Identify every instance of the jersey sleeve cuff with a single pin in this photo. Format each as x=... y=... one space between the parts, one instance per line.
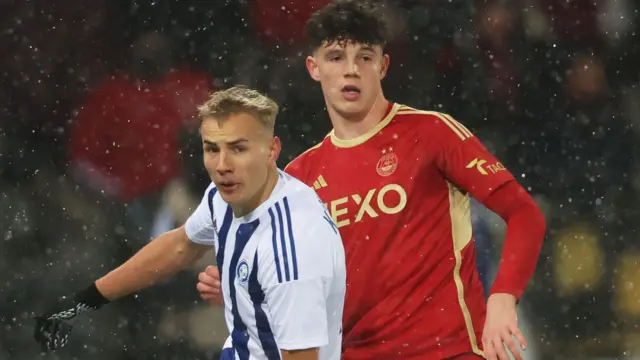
x=507 y=290
x=201 y=242
x=194 y=237
x=303 y=344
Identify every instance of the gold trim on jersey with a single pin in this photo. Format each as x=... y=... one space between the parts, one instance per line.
x=461 y=232
x=369 y=134
x=460 y=130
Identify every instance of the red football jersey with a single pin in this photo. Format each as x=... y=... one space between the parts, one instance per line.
x=400 y=197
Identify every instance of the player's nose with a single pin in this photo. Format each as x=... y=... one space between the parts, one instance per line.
x=351 y=69
x=223 y=165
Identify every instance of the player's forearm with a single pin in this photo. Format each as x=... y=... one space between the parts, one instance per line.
x=525 y=233
x=161 y=258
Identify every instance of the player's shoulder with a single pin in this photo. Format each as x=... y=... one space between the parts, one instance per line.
x=298 y=220
x=433 y=122
x=300 y=197
x=296 y=204
x=298 y=164
x=293 y=213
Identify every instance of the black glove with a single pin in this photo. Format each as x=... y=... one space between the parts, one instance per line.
x=53 y=328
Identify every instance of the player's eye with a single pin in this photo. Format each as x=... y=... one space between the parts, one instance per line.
x=238 y=149
x=334 y=57
x=211 y=149
x=367 y=58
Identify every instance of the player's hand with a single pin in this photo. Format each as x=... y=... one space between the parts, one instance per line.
x=51 y=333
x=52 y=329
x=209 y=285
x=500 y=327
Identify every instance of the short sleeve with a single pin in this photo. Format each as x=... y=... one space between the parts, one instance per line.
x=199 y=226
x=298 y=281
x=465 y=161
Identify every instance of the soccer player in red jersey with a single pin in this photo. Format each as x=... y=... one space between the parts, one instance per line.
x=397 y=182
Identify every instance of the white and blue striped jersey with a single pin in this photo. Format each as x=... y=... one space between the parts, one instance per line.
x=282 y=269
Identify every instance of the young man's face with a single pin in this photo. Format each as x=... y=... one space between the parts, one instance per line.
x=350 y=75
x=238 y=152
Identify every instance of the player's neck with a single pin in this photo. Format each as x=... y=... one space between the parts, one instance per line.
x=351 y=127
x=261 y=196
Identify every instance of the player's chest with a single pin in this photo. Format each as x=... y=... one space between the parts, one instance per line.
x=370 y=182
x=240 y=247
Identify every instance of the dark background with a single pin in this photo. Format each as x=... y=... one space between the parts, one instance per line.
x=98 y=149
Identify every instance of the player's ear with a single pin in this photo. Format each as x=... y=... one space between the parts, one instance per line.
x=276 y=147
x=312 y=68
x=384 y=66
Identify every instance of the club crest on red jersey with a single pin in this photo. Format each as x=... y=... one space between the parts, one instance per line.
x=387 y=163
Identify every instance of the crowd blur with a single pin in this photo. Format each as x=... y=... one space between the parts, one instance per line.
x=99 y=150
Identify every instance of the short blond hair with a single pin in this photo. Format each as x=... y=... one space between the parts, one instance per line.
x=240 y=99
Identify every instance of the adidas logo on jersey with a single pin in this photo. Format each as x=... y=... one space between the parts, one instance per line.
x=319 y=183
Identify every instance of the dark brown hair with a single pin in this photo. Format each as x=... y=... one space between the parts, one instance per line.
x=359 y=21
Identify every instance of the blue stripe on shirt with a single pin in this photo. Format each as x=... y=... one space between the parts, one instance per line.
x=212 y=193
x=274 y=239
x=239 y=335
x=222 y=239
x=294 y=260
x=265 y=334
x=283 y=243
x=227 y=354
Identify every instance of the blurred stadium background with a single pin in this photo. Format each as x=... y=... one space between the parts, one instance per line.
x=550 y=86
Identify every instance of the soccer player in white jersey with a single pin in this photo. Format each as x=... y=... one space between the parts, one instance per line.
x=279 y=254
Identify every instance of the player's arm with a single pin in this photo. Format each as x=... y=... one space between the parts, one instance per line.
x=158 y=260
x=296 y=291
x=164 y=256
x=472 y=168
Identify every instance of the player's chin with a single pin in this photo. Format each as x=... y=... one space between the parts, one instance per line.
x=351 y=107
x=231 y=196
